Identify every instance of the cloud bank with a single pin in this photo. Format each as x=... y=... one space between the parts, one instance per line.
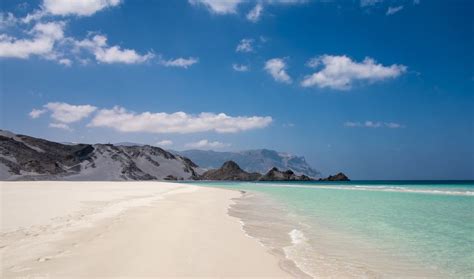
x=120 y=119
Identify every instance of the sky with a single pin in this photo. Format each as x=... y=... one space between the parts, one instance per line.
x=376 y=89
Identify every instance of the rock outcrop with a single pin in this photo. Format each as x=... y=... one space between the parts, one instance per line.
x=258 y=160
x=230 y=171
x=276 y=175
x=338 y=177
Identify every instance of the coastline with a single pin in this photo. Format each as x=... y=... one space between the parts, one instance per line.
x=126 y=229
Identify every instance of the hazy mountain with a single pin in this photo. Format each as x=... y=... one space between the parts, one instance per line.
x=24 y=157
x=260 y=160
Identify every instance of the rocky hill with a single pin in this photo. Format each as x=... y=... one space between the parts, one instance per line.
x=276 y=175
x=259 y=160
x=24 y=157
x=231 y=171
x=338 y=177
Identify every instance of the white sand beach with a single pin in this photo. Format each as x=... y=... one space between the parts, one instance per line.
x=125 y=229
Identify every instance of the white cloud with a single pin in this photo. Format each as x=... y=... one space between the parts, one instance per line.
x=114 y=54
x=314 y=62
x=7 y=20
x=373 y=124
x=206 y=144
x=164 y=143
x=35 y=113
x=255 y=13
x=394 y=10
x=245 y=45
x=44 y=38
x=240 y=68
x=60 y=126
x=230 y=6
x=118 y=118
x=218 y=6
x=339 y=72
x=179 y=62
x=276 y=67
x=77 y=7
x=365 y=3
x=66 y=113
x=65 y=61
x=393 y=125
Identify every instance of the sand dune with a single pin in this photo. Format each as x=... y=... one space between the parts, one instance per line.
x=125 y=229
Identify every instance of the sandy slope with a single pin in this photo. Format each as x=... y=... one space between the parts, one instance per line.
x=125 y=229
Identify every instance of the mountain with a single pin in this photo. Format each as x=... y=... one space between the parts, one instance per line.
x=260 y=160
x=231 y=171
x=338 y=177
x=24 y=157
x=276 y=175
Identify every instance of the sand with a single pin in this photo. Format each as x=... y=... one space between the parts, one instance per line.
x=125 y=229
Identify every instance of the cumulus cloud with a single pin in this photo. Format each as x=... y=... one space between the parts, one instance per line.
x=240 y=68
x=245 y=45
x=64 y=113
x=206 y=144
x=393 y=10
x=120 y=119
x=164 y=143
x=340 y=72
x=179 y=62
x=60 y=126
x=35 y=113
x=373 y=124
x=218 y=6
x=255 y=13
x=112 y=54
x=43 y=38
x=68 y=8
x=77 y=7
x=276 y=67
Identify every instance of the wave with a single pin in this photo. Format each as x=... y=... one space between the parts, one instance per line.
x=382 y=188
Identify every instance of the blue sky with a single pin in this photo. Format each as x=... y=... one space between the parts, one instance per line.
x=377 y=89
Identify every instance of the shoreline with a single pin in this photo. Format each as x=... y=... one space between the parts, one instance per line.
x=156 y=229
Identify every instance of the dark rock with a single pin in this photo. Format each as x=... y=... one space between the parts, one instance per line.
x=230 y=171
x=276 y=175
x=171 y=177
x=338 y=177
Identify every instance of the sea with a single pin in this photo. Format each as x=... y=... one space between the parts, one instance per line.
x=363 y=229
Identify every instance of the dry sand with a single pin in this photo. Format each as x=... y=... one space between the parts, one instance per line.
x=125 y=229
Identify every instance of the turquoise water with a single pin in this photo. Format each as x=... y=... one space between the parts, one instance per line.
x=427 y=226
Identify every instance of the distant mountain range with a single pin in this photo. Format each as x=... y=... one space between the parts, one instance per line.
x=27 y=158
x=259 y=160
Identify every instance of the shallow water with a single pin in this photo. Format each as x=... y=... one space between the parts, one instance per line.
x=363 y=229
